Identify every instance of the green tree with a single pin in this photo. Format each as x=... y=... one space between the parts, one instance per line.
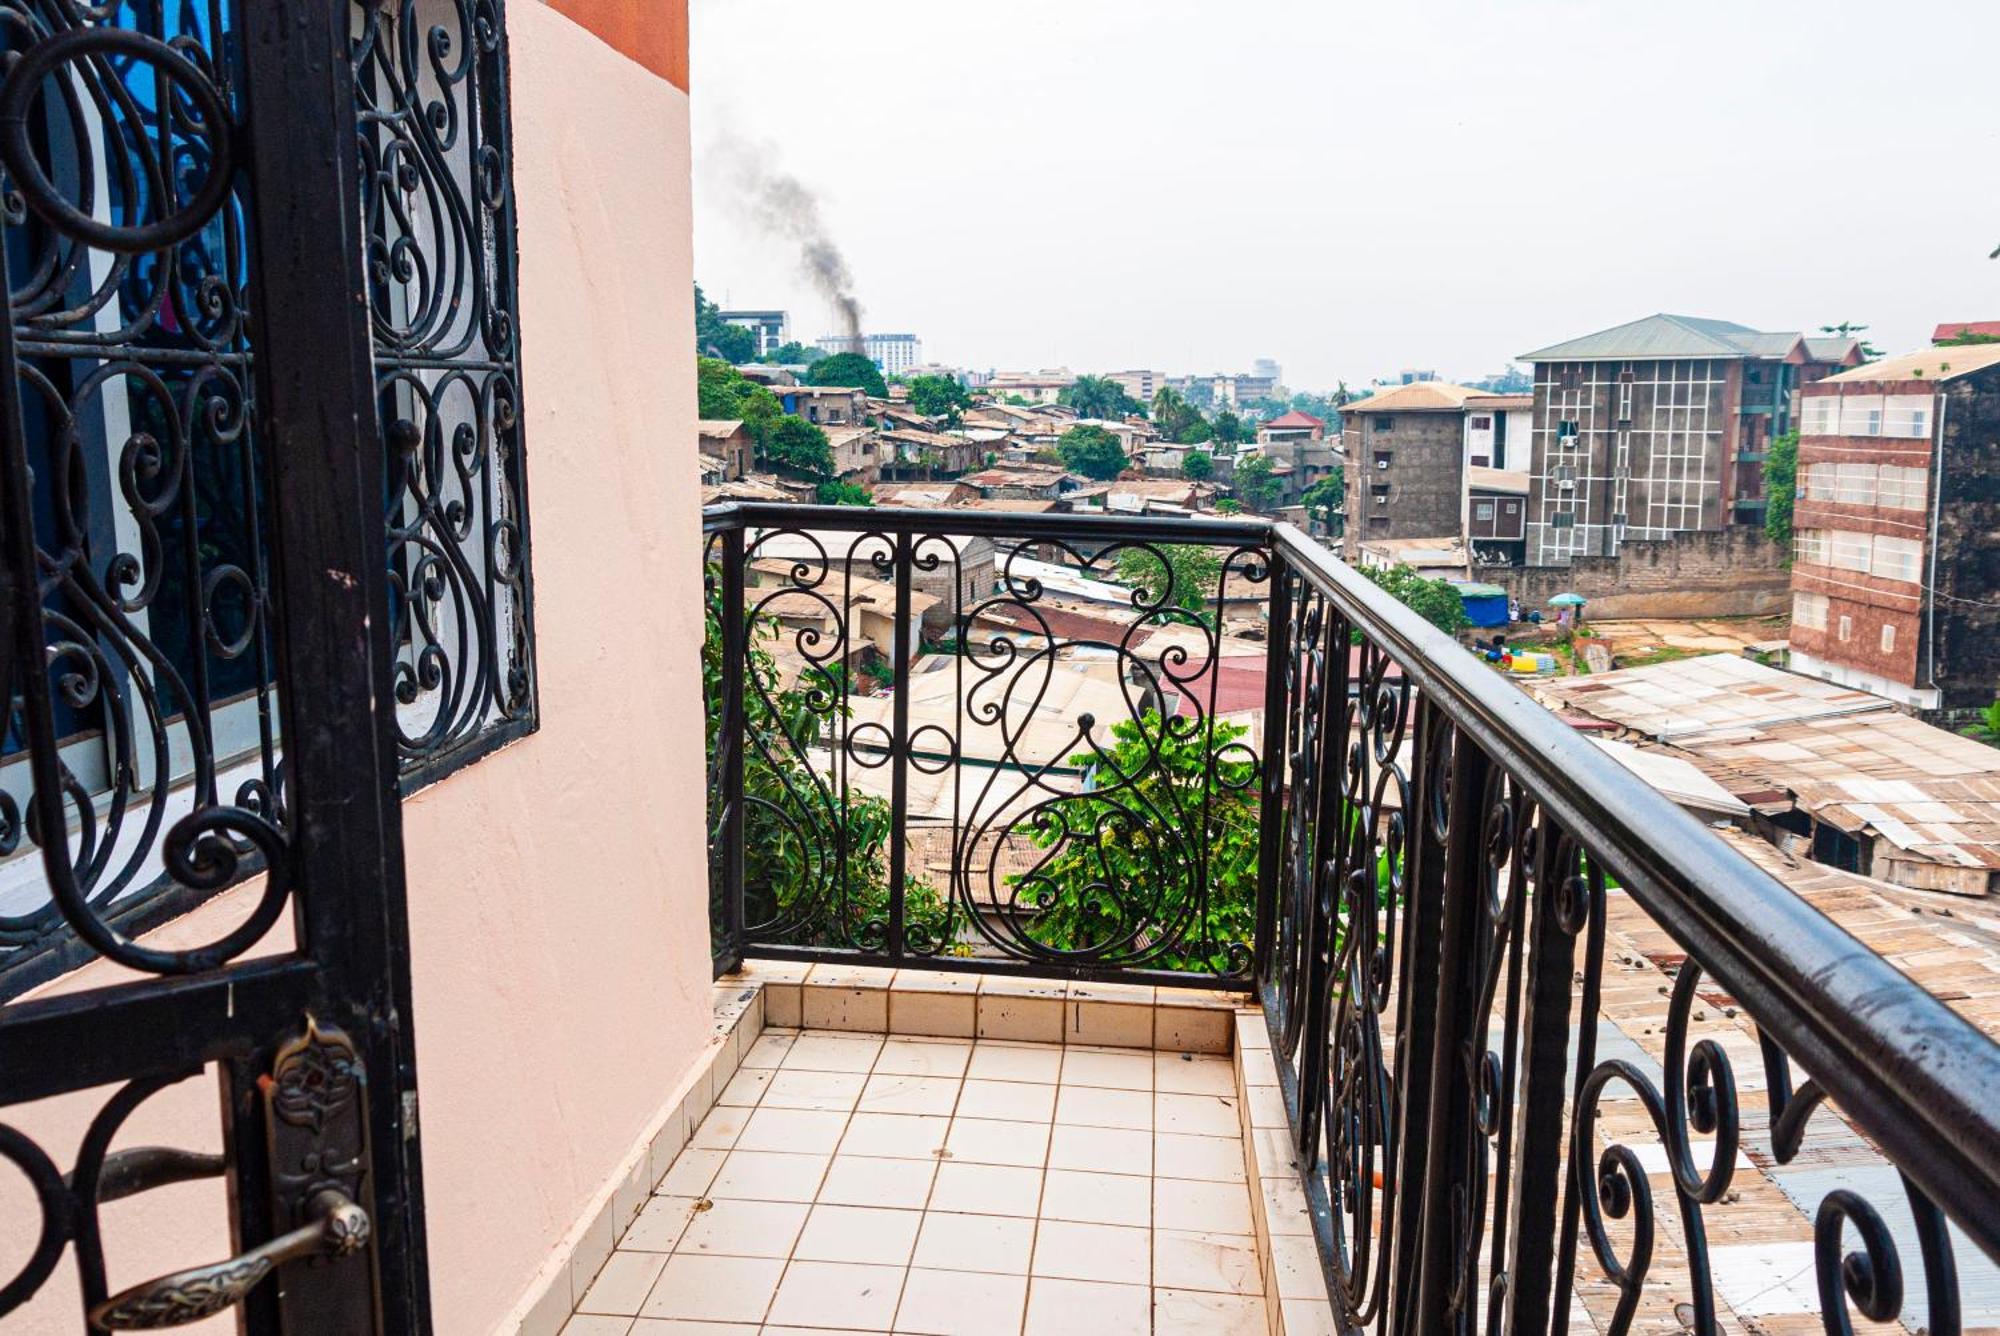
x=716 y=337
x=1099 y=397
x=838 y=493
x=797 y=446
x=1781 y=485
x=1178 y=420
x=1197 y=466
x=793 y=354
x=1093 y=452
x=1228 y=505
x=1164 y=832
x=1254 y=482
x=848 y=369
x=724 y=392
x=1180 y=575
x=1326 y=497
x=939 y=396
x=1987 y=727
x=1436 y=601
x=1233 y=430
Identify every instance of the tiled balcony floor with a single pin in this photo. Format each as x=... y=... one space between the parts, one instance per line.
x=867 y=1183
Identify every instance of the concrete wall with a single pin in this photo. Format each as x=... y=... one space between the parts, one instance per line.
x=1425 y=476
x=560 y=944
x=1735 y=572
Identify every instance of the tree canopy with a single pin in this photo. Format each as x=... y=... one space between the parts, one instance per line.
x=1254 y=482
x=716 y=337
x=848 y=369
x=1093 y=452
x=1099 y=397
x=1781 y=485
x=793 y=354
x=724 y=392
x=1181 y=575
x=1326 y=497
x=838 y=493
x=1433 y=600
x=797 y=446
x=1178 y=420
x=1233 y=430
x=1196 y=466
x=939 y=396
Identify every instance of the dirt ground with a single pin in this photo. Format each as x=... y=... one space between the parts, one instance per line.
x=1708 y=635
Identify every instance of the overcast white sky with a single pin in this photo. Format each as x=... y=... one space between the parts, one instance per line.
x=1350 y=187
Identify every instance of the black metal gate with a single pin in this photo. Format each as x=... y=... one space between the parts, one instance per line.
x=192 y=533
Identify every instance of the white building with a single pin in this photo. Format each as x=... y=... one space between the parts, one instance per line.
x=894 y=354
x=1499 y=431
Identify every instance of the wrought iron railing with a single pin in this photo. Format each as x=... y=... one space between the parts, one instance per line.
x=1455 y=912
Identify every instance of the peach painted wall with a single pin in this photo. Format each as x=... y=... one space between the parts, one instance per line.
x=557 y=888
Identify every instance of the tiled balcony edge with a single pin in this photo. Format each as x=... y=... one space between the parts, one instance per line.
x=949 y=1005
x=739 y=1019
x=1295 y=1299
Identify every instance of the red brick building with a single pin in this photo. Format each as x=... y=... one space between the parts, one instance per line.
x=1896 y=527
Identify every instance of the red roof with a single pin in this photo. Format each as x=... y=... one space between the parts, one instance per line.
x=1295 y=418
x=1953 y=328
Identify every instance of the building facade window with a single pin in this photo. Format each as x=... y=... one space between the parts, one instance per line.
x=1896 y=558
x=1809 y=611
x=1888 y=637
x=1819 y=415
x=1846 y=629
x=1385 y=424
x=1482 y=510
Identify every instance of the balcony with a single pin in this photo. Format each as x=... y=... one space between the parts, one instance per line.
x=1081 y=773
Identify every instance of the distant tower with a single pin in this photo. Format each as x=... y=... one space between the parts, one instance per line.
x=1268 y=367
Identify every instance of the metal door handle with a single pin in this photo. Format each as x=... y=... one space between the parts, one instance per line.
x=339 y=1228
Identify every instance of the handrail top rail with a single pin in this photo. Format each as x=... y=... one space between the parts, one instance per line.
x=894 y=520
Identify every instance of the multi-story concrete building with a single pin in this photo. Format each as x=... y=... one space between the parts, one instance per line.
x=1406 y=461
x=1896 y=572
x=1037 y=387
x=1141 y=385
x=1659 y=427
x=772 y=328
x=1499 y=430
x=894 y=354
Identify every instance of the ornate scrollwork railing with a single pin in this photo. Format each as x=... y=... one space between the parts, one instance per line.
x=1541 y=1034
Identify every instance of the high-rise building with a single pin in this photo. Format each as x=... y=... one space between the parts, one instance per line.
x=1660 y=427
x=892 y=353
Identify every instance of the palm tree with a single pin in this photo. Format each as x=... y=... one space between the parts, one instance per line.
x=1094 y=397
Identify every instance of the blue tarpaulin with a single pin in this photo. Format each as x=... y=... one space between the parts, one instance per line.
x=1485 y=605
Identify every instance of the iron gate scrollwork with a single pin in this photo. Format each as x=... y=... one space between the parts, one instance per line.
x=189 y=456
x=130 y=254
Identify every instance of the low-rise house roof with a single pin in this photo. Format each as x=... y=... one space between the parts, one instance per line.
x=1673 y=336
x=1498 y=403
x=1939 y=364
x=1952 y=329
x=1423 y=396
x=1292 y=420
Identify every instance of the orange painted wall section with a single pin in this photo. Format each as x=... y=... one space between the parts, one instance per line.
x=651 y=32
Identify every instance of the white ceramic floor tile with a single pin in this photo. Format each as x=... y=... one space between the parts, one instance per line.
x=1010 y=1101
x=959 y=1303
x=1072 y=1251
x=1099 y=1199
x=1193 y=1313
x=920 y=1057
x=986 y=1189
x=956 y=1242
x=673 y=1326
x=720 y=1129
x=997 y=1141
x=822 y=1051
x=871 y=1234
x=693 y=1170
x=768 y=1051
x=714 y=1289
x=804 y=1088
x=739 y=1227
x=769 y=1176
x=838 y=1294
x=1198 y=1115
x=858 y=1180
x=1214 y=1159
x=900 y=1093
x=1217 y=1263
x=1003 y=1062
x=622 y=1283
x=596 y=1324
x=796 y=1131
x=1193 y=1074
x=1112 y=1068
x=1213 y=1208
x=659 y=1225
x=896 y=1136
x=1088 y=1106
x=746 y=1087
x=1087 y=1308
x=1111 y=1150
